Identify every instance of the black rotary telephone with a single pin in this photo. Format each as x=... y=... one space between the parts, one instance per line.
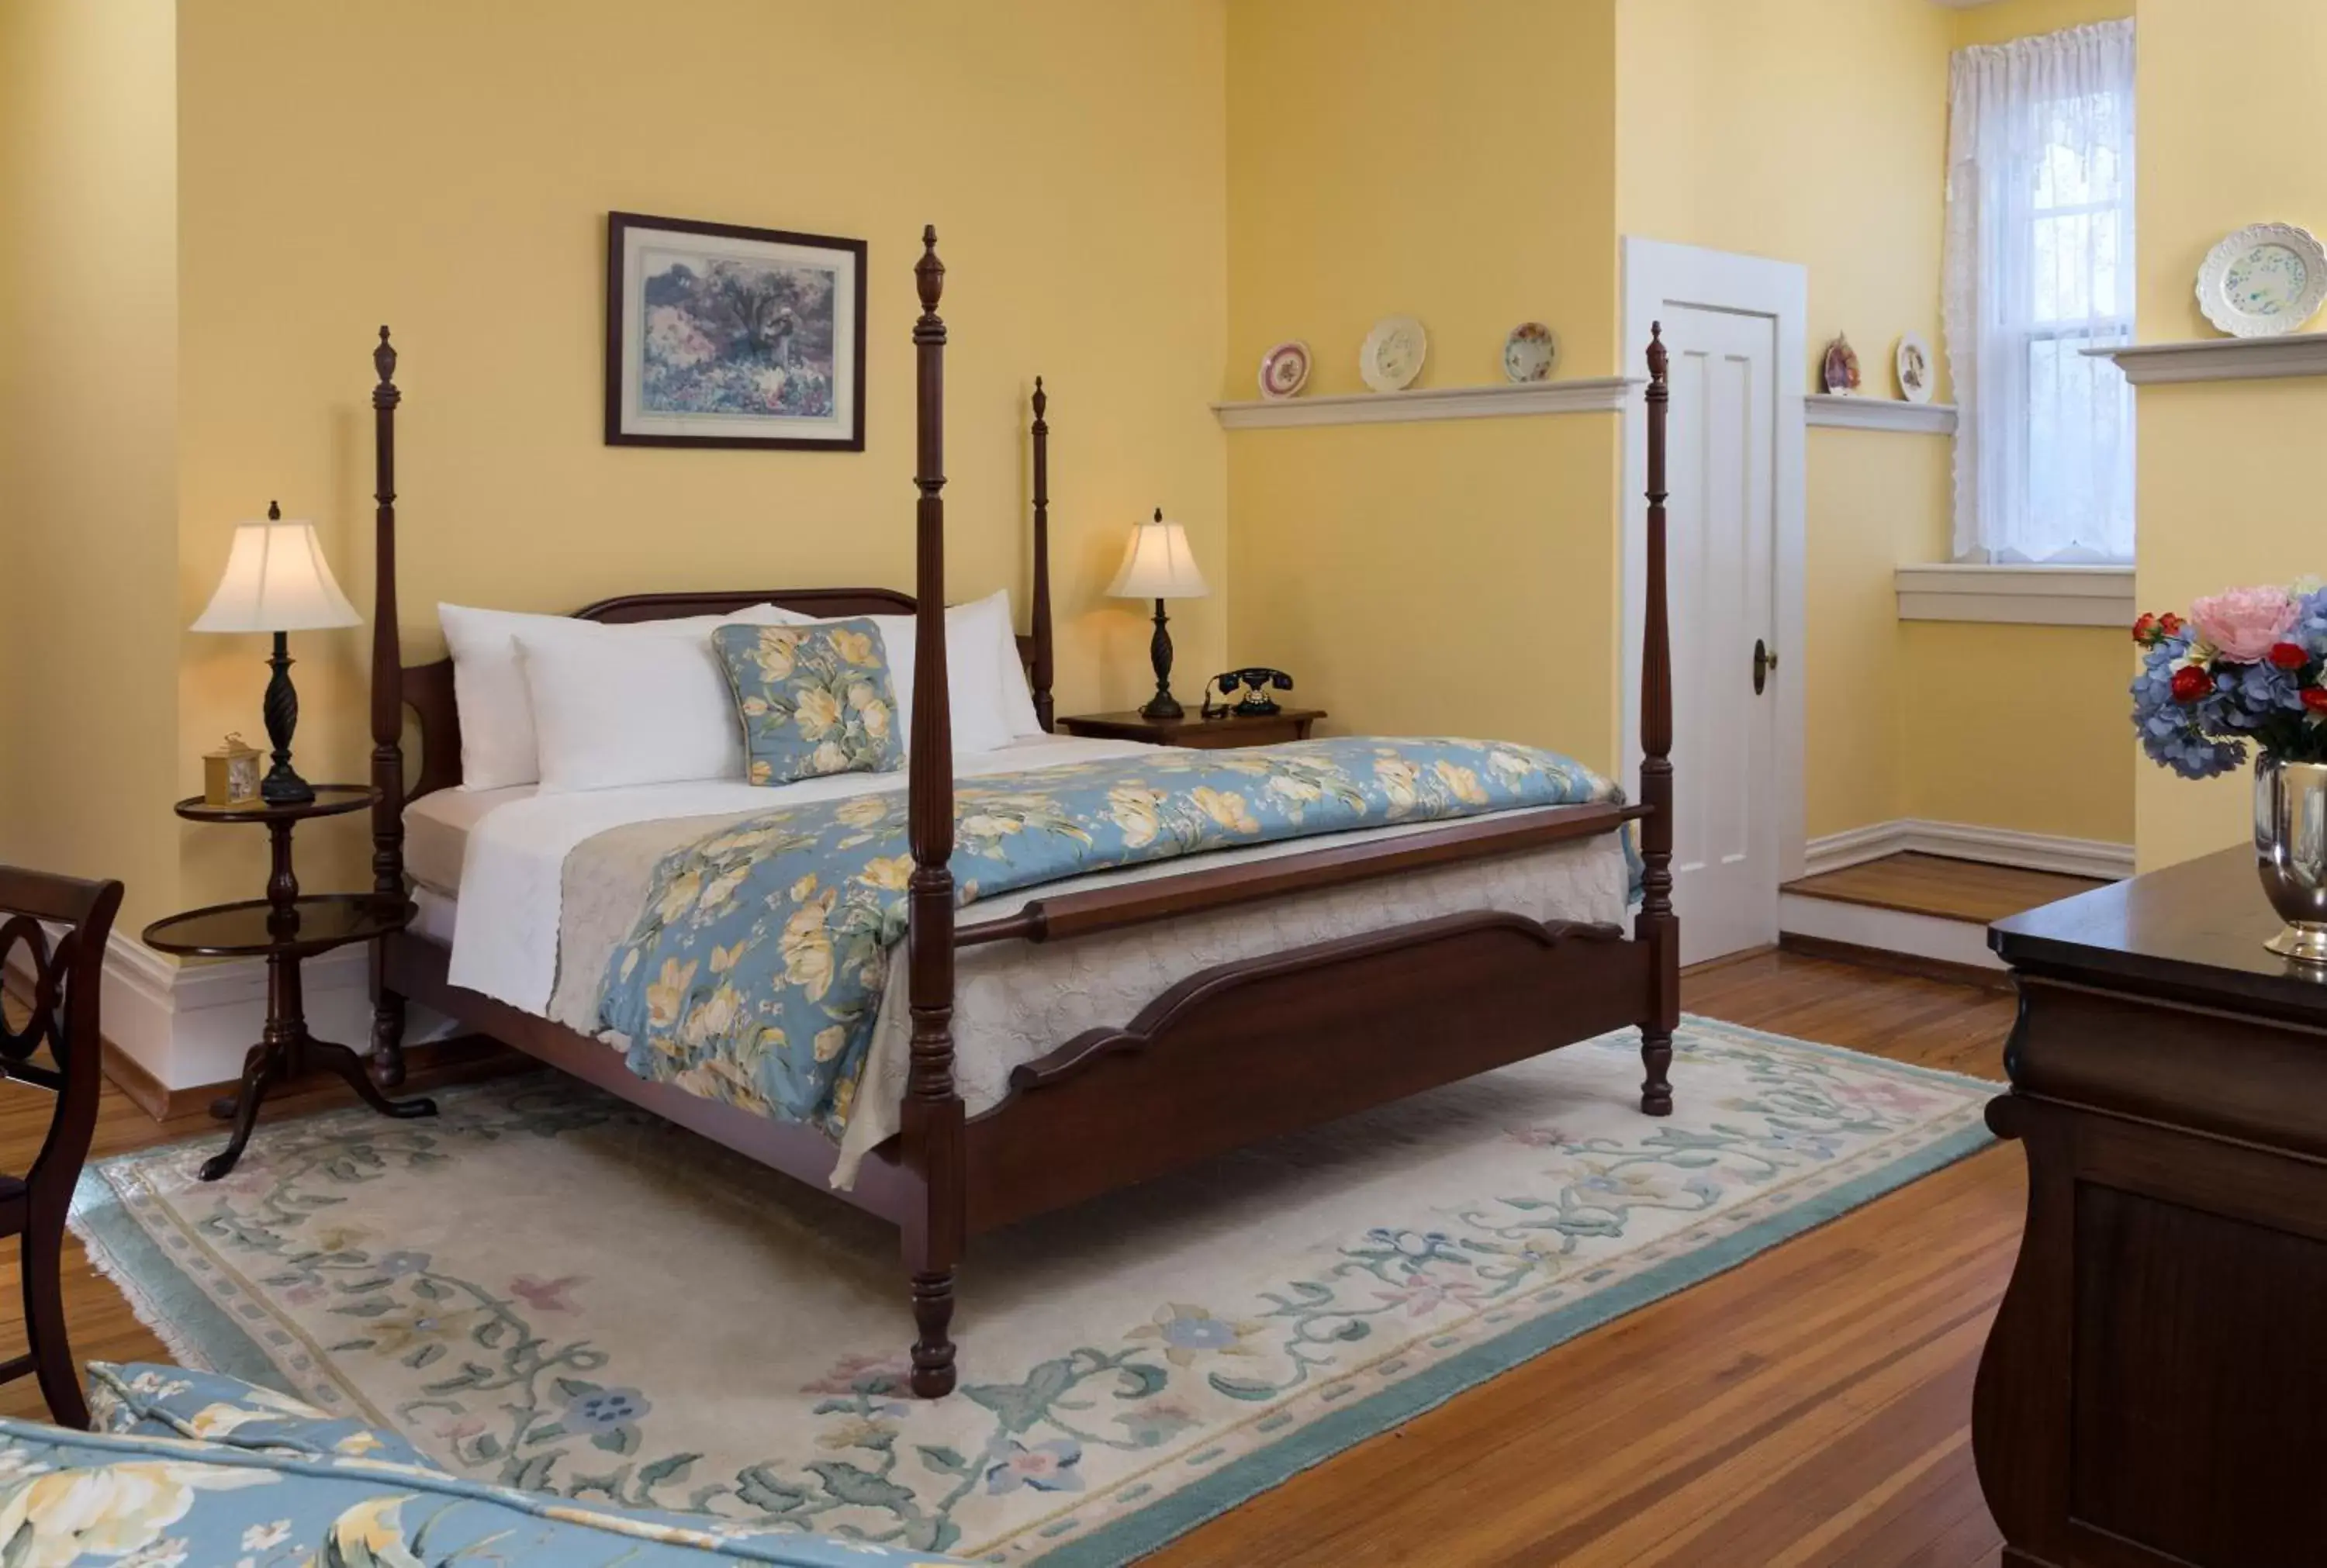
x=1257 y=682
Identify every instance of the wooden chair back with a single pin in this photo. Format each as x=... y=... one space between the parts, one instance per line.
x=53 y=932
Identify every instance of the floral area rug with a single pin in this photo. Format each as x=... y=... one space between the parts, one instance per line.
x=545 y=1288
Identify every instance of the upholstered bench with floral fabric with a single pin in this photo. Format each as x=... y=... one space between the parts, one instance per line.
x=191 y=1469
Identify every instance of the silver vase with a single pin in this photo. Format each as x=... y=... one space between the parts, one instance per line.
x=2290 y=839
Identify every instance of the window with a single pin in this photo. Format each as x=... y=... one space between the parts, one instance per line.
x=2039 y=268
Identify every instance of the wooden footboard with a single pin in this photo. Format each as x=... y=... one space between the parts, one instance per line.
x=1273 y=1044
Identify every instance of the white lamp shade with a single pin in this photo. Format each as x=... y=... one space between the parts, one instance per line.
x=1158 y=564
x=277 y=579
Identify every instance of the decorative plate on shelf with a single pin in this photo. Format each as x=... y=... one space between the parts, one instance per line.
x=1912 y=359
x=1284 y=369
x=1530 y=352
x=1393 y=353
x=2265 y=280
x=1839 y=371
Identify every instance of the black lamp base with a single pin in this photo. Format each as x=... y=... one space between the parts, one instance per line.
x=1162 y=704
x=282 y=786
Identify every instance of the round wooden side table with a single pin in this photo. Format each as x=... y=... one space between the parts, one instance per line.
x=283 y=927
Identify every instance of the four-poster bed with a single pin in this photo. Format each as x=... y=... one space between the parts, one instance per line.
x=1229 y=1055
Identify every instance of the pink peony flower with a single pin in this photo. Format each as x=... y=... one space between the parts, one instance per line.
x=2244 y=622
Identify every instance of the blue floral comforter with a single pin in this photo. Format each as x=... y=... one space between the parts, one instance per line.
x=191 y=1469
x=754 y=973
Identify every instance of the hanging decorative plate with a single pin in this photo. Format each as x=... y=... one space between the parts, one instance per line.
x=2265 y=280
x=1530 y=352
x=1912 y=359
x=1284 y=369
x=1393 y=353
x=1838 y=371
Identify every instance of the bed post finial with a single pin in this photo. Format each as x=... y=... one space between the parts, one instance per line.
x=386 y=714
x=1656 y=927
x=928 y=277
x=1044 y=708
x=933 y=1229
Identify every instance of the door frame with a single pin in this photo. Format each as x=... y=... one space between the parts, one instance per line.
x=1656 y=271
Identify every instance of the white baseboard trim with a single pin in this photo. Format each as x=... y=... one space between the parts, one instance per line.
x=188 y=1026
x=2091 y=857
x=1890 y=930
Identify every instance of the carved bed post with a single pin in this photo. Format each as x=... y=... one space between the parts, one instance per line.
x=1656 y=927
x=932 y=1111
x=1043 y=706
x=387 y=716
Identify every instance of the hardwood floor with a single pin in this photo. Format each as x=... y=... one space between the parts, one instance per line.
x=1934 y=884
x=1810 y=1407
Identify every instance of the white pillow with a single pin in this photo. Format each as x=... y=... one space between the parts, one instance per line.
x=1017 y=698
x=498 y=745
x=613 y=711
x=973 y=671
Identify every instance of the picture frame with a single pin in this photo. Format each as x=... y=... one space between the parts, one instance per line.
x=719 y=335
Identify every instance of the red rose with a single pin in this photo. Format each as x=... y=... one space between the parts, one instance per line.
x=2288 y=654
x=2316 y=699
x=2170 y=624
x=2190 y=683
x=2145 y=629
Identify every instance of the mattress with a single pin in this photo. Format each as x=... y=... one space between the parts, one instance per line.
x=436 y=828
x=520 y=902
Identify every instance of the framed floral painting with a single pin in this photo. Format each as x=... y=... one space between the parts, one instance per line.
x=718 y=335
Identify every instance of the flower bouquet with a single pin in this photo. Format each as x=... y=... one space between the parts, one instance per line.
x=2247 y=667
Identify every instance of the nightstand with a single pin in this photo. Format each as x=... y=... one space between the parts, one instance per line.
x=283 y=928
x=1231 y=729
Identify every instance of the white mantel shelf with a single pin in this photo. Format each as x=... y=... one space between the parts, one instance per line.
x=1835 y=410
x=2221 y=360
x=1599 y=394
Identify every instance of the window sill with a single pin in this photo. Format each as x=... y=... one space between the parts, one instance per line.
x=2025 y=595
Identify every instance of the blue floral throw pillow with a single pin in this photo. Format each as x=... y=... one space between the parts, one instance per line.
x=814 y=700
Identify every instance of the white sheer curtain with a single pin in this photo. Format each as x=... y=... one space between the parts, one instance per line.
x=2039 y=267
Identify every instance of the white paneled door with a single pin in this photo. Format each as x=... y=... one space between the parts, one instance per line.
x=1725 y=827
x=1733 y=480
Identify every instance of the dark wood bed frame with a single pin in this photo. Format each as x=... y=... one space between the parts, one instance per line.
x=1227 y=1057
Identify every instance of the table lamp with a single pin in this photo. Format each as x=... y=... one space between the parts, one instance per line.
x=277 y=579
x=1159 y=565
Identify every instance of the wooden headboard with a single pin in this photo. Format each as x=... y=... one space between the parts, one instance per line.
x=428 y=687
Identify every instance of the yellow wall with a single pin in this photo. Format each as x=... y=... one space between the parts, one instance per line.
x=446 y=167
x=2022 y=727
x=87 y=454
x=1814 y=131
x=1455 y=577
x=1875 y=499
x=2001 y=21
x=2230 y=473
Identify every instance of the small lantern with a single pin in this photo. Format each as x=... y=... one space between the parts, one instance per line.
x=230 y=774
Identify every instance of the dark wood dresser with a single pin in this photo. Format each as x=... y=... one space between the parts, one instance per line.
x=2155 y=1389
